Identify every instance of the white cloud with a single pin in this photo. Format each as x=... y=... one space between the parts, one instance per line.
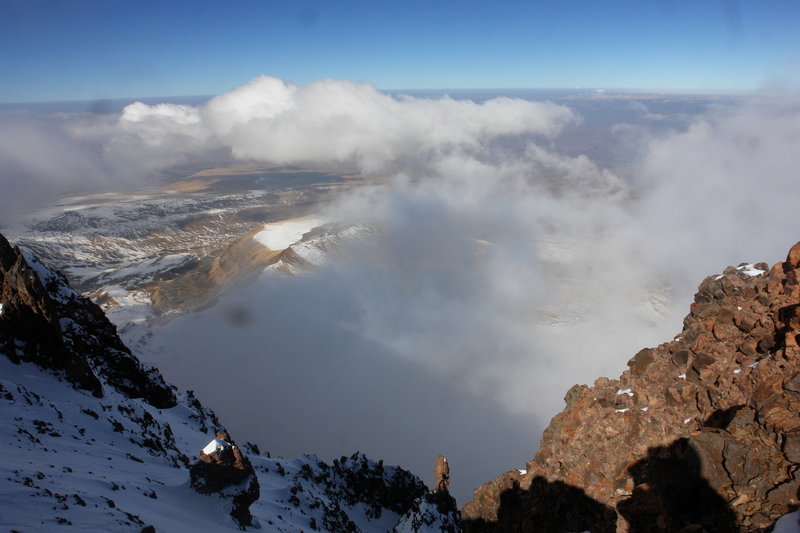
x=336 y=121
x=723 y=191
x=262 y=98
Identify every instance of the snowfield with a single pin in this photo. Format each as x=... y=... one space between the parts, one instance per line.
x=281 y=235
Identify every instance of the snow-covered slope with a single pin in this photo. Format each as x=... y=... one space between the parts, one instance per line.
x=110 y=463
x=116 y=458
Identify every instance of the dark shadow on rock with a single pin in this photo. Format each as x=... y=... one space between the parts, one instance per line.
x=546 y=507
x=721 y=418
x=671 y=495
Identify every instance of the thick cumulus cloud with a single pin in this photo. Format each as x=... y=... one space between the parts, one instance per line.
x=495 y=269
x=336 y=121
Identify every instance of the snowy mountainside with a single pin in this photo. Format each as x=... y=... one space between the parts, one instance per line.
x=149 y=257
x=112 y=453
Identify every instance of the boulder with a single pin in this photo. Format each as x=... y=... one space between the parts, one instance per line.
x=222 y=469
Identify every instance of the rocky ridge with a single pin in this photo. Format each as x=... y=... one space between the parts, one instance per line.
x=699 y=434
x=47 y=323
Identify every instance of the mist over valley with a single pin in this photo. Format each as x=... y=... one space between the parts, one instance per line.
x=444 y=267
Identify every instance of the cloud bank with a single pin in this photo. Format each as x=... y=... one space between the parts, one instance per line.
x=501 y=272
x=335 y=121
x=328 y=122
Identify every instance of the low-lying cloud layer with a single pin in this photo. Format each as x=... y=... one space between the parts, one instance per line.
x=502 y=270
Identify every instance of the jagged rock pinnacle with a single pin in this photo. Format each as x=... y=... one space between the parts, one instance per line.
x=441 y=474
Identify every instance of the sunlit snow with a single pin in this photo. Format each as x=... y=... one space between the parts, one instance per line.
x=215 y=445
x=281 y=235
x=750 y=270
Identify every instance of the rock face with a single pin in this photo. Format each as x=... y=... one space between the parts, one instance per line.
x=699 y=434
x=223 y=469
x=441 y=474
x=45 y=322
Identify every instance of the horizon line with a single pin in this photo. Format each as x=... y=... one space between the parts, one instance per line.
x=593 y=91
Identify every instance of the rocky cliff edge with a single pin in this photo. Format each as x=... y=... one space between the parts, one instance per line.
x=699 y=434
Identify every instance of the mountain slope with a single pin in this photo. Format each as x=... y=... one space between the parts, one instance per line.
x=47 y=323
x=94 y=440
x=700 y=434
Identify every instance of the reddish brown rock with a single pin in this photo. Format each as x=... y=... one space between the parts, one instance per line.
x=441 y=474
x=793 y=259
x=707 y=440
x=223 y=469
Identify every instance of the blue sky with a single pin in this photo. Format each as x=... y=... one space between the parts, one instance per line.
x=98 y=49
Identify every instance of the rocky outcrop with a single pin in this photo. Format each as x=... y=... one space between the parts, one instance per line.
x=223 y=469
x=441 y=474
x=43 y=321
x=29 y=325
x=699 y=434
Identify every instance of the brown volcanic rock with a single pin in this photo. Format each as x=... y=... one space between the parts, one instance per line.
x=226 y=471
x=44 y=321
x=700 y=434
